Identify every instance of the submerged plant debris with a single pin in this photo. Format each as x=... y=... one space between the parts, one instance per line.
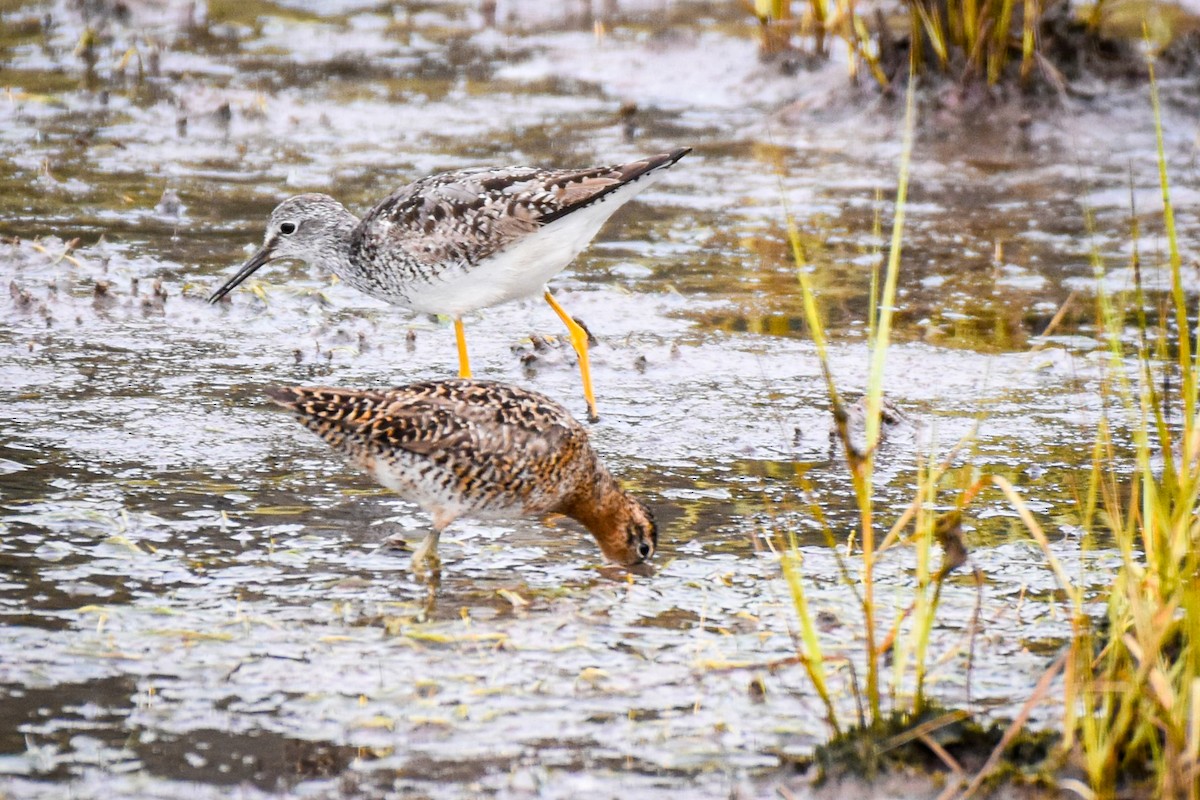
x=191 y=596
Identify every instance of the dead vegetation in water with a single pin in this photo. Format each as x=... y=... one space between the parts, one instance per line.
x=935 y=742
x=985 y=50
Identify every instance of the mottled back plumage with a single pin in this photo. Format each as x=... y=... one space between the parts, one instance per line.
x=463 y=217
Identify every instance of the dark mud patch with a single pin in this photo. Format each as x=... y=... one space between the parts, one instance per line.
x=935 y=741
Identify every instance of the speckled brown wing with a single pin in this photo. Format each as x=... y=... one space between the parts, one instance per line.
x=350 y=419
x=463 y=217
x=491 y=443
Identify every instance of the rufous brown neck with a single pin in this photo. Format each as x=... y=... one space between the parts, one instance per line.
x=601 y=506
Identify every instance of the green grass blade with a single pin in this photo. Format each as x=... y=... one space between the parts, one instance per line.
x=1178 y=297
x=812 y=658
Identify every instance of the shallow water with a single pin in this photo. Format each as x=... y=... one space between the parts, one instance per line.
x=191 y=596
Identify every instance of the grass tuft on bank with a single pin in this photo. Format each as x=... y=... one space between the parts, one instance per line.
x=1130 y=681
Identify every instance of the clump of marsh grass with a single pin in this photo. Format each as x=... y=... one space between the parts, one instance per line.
x=1133 y=682
x=1031 y=44
x=959 y=37
x=890 y=691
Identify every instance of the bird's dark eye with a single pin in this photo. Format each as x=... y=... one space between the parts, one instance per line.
x=287 y=228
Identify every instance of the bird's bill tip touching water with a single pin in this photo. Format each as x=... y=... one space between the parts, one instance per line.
x=257 y=260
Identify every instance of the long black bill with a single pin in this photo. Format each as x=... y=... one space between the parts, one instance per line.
x=259 y=258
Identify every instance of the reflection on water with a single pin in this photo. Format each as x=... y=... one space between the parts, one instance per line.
x=190 y=589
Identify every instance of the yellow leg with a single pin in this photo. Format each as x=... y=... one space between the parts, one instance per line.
x=464 y=363
x=579 y=339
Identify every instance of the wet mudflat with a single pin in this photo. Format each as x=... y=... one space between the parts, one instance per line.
x=191 y=595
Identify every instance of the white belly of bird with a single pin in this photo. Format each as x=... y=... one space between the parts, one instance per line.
x=433 y=494
x=431 y=488
x=523 y=268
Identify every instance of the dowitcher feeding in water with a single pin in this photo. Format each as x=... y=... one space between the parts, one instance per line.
x=477 y=448
x=461 y=241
